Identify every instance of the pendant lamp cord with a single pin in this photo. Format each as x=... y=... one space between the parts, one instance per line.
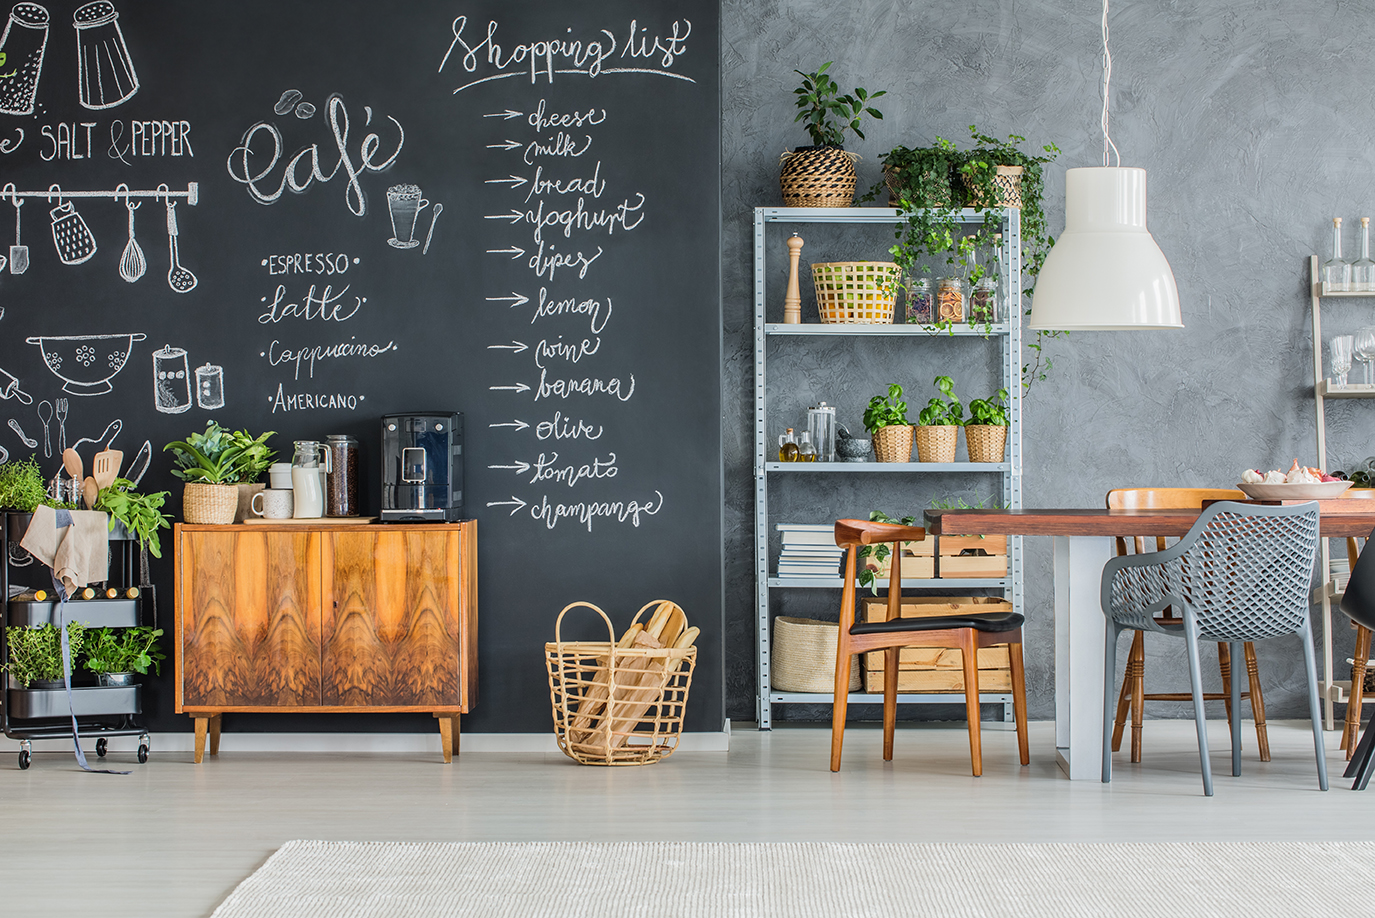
x=1107 y=78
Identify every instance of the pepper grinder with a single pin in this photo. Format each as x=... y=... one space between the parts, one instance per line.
x=792 y=301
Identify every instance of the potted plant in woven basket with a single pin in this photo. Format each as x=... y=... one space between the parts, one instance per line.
x=985 y=433
x=920 y=177
x=823 y=175
x=886 y=420
x=209 y=464
x=938 y=424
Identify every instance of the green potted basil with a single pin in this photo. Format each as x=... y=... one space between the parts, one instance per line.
x=938 y=424
x=886 y=420
x=985 y=433
x=116 y=654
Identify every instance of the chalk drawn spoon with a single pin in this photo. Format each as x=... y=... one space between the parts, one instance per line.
x=141 y=461
x=28 y=441
x=434 y=215
x=178 y=278
x=45 y=414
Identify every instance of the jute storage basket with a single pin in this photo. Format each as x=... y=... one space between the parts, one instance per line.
x=621 y=703
x=855 y=292
x=985 y=442
x=1008 y=184
x=937 y=443
x=804 y=656
x=893 y=443
x=818 y=177
x=209 y=503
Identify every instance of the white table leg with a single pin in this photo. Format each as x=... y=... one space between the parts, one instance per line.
x=1079 y=630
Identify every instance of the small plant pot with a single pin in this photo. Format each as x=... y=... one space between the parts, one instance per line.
x=818 y=177
x=114 y=678
x=893 y=443
x=48 y=685
x=942 y=195
x=209 y=503
x=1008 y=185
x=937 y=443
x=985 y=442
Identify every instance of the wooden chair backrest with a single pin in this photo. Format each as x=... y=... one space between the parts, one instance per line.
x=1163 y=499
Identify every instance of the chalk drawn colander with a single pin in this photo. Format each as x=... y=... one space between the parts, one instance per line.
x=86 y=363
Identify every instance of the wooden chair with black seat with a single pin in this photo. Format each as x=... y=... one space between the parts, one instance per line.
x=1133 y=696
x=966 y=633
x=1356 y=697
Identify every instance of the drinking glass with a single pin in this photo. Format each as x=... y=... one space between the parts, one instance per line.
x=1339 y=358
x=1364 y=350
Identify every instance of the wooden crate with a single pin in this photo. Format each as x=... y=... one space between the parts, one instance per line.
x=919 y=558
x=935 y=669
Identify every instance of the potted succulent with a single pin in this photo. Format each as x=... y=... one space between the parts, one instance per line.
x=886 y=420
x=985 y=433
x=823 y=174
x=209 y=464
x=115 y=654
x=938 y=424
x=141 y=514
x=36 y=654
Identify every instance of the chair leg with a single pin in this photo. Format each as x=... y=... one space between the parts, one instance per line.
x=1364 y=748
x=890 y=699
x=1257 y=702
x=1138 y=671
x=1109 y=673
x=1196 y=688
x=1367 y=767
x=1014 y=654
x=969 y=649
x=838 y=706
x=1353 y=703
x=1313 y=712
x=1234 y=696
x=1224 y=663
x=1124 y=700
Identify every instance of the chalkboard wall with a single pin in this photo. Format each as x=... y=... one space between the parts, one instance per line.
x=558 y=283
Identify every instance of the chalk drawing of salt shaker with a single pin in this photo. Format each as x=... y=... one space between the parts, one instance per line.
x=209 y=387
x=22 y=45
x=104 y=72
x=171 y=380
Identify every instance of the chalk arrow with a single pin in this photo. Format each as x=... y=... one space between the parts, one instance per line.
x=518 y=424
x=515 y=298
x=519 y=467
x=514 y=216
x=515 y=502
x=504 y=116
x=515 y=181
x=515 y=347
x=515 y=252
x=518 y=387
x=508 y=145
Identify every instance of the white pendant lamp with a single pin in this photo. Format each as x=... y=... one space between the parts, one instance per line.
x=1105 y=272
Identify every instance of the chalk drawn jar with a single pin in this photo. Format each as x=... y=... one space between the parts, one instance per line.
x=341 y=483
x=171 y=380
x=209 y=387
x=25 y=38
x=308 y=495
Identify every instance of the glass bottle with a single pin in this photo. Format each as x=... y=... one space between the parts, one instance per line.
x=806 y=452
x=1363 y=269
x=787 y=447
x=919 y=300
x=1335 y=273
x=950 y=300
x=983 y=301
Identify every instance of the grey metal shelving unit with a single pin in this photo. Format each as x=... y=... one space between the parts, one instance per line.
x=1007 y=335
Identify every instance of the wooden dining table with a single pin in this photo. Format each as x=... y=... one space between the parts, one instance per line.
x=1083 y=544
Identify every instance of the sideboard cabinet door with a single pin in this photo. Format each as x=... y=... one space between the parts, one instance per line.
x=249 y=628
x=390 y=630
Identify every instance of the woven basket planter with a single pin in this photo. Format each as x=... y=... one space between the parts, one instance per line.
x=1007 y=182
x=985 y=442
x=893 y=443
x=818 y=177
x=856 y=292
x=803 y=656
x=895 y=198
x=937 y=443
x=209 y=503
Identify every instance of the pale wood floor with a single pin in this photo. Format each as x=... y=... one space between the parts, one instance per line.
x=173 y=839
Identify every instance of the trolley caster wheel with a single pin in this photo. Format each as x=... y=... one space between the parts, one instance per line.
x=142 y=754
x=24 y=759
x=102 y=746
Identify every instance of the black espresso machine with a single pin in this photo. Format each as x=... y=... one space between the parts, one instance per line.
x=422 y=467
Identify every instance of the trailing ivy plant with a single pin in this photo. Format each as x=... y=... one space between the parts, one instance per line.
x=944 y=409
x=992 y=411
x=141 y=514
x=827 y=114
x=878 y=552
x=886 y=412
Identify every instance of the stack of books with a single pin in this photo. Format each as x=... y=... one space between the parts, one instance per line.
x=809 y=550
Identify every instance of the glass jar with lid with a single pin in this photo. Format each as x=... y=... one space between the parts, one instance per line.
x=950 y=300
x=919 y=300
x=341 y=482
x=983 y=301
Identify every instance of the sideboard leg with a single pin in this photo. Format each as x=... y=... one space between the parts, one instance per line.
x=454 y=738
x=214 y=734
x=446 y=737
x=201 y=723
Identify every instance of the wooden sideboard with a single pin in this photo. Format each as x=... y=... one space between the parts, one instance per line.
x=326 y=617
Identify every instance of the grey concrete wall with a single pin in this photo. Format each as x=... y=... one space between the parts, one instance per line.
x=1253 y=119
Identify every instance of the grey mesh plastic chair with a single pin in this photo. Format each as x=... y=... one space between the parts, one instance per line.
x=1241 y=573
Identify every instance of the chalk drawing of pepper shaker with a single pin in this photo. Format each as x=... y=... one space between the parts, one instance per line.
x=22 y=46
x=171 y=380
x=105 y=74
x=210 y=387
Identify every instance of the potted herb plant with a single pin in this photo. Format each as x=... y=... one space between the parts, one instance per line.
x=36 y=654
x=823 y=174
x=253 y=464
x=209 y=464
x=886 y=420
x=141 y=514
x=115 y=654
x=985 y=433
x=938 y=424
x=874 y=560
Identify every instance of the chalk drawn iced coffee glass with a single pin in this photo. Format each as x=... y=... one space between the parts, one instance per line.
x=405 y=204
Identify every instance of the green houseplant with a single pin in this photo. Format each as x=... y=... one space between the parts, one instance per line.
x=253 y=464
x=886 y=419
x=209 y=464
x=141 y=514
x=823 y=174
x=938 y=424
x=985 y=433
x=115 y=654
x=872 y=559
x=36 y=653
x=22 y=487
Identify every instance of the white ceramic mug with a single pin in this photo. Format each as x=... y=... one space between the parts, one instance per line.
x=273 y=503
x=279 y=476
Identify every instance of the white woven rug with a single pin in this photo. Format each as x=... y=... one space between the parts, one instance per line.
x=316 y=879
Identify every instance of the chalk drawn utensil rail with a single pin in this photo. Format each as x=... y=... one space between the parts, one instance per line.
x=191 y=194
x=86 y=363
